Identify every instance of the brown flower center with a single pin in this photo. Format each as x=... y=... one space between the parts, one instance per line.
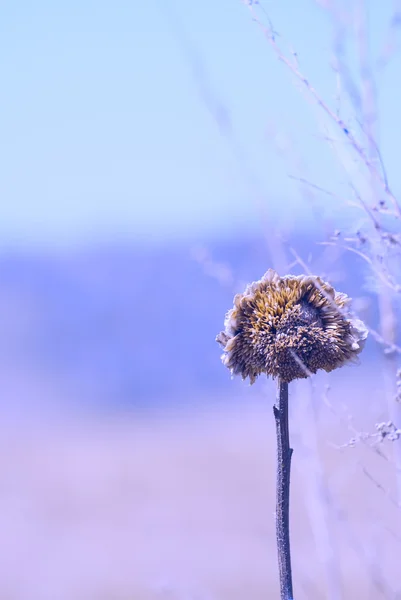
x=301 y=314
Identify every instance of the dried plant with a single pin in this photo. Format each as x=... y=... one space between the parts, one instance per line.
x=279 y=320
x=288 y=328
x=350 y=125
x=350 y=129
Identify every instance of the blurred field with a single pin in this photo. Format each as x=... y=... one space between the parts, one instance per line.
x=133 y=468
x=180 y=505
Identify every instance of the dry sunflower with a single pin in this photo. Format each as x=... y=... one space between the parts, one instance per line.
x=290 y=327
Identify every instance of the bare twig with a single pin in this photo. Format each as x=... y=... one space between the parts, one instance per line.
x=271 y=36
x=381 y=274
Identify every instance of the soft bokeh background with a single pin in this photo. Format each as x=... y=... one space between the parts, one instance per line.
x=151 y=156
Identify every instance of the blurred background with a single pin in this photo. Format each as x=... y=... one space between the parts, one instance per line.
x=155 y=158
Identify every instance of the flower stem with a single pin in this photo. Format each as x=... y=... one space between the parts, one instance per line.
x=284 y=453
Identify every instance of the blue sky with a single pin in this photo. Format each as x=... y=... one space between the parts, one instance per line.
x=147 y=121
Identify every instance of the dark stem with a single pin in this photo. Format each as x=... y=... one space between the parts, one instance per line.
x=284 y=453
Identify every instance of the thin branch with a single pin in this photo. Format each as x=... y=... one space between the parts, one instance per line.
x=271 y=35
x=381 y=274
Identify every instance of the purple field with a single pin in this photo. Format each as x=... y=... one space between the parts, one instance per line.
x=180 y=505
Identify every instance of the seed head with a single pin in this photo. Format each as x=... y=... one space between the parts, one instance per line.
x=289 y=327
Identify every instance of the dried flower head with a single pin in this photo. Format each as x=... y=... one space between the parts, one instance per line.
x=289 y=327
